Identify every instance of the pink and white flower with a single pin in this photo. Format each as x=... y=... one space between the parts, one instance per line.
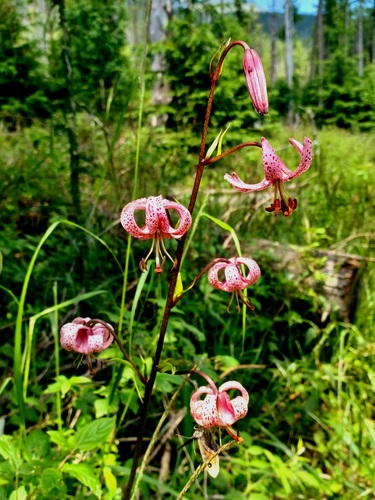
x=86 y=336
x=217 y=409
x=276 y=173
x=233 y=280
x=158 y=225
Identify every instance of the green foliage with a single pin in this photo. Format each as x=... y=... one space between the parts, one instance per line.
x=101 y=68
x=25 y=91
x=193 y=38
x=309 y=432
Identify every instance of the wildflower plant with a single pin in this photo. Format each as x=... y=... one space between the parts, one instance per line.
x=217 y=409
x=149 y=218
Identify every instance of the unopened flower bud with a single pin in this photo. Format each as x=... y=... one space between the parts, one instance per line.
x=255 y=80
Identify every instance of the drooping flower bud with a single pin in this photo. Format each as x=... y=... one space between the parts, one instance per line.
x=255 y=80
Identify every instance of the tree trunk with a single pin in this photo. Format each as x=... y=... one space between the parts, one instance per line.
x=273 y=71
x=70 y=113
x=360 y=40
x=288 y=19
x=289 y=41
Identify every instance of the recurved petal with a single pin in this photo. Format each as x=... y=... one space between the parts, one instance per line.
x=232 y=384
x=233 y=278
x=156 y=217
x=240 y=407
x=204 y=412
x=68 y=335
x=240 y=185
x=128 y=221
x=201 y=390
x=80 y=321
x=97 y=343
x=274 y=167
x=103 y=338
x=254 y=270
x=306 y=156
x=240 y=403
x=213 y=275
x=184 y=222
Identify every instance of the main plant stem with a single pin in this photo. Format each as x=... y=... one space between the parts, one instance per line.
x=170 y=302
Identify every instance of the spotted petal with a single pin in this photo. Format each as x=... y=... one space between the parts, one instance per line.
x=274 y=168
x=129 y=223
x=305 y=151
x=254 y=270
x=204 y=411
x=240 y=185
x=234 y=280
x=80 y=338
x=184 y=222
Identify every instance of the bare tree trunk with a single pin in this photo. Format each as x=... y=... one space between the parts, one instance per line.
x=289 y=41
x=288 y=19
x=273 y=71
x=347 y=25
x=320 y=41
x=360 y=40
x=70 y=113
x=160 y=15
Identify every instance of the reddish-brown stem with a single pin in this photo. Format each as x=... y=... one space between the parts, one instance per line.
x=208 y=161
x=172 y=284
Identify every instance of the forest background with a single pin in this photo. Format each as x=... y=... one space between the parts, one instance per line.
x=76 y=117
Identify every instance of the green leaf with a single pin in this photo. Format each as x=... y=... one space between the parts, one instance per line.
x=223 y=362
x=110 y=480
x=85 y=475
x=166 y=382
x=255 y=450
x=93 y=434
x=37 y=445
x=308 y=479
x=179 y=286
x=228 y=228
x=236 y=495
x=19 y=494
x=59 y=438
x=258 y=496
x=50 y=478
x=64 y=385
x=9 y=451
x=4 y=384
x=259 y=464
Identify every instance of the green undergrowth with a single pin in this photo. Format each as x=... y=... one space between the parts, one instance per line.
x=309 y=432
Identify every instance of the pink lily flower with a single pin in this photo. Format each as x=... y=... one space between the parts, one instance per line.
x=86 y=336
x=255 y=80
x=234 y=281
x=158 y=225
x=217 y=409
x=276 y=173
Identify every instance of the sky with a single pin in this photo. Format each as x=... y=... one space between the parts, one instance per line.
x=304 y=6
